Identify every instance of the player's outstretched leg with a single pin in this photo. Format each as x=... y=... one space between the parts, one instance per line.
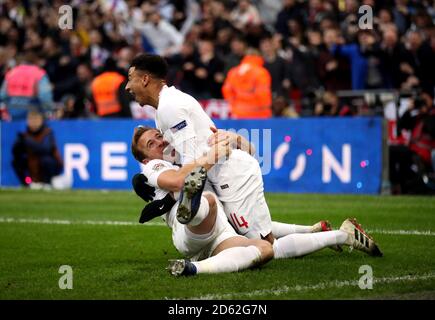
x=190 y=196
x=281 y=230
x=230 y=259
x=325 y=225
x=359 y=239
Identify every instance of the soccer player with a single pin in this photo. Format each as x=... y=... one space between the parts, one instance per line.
x=205 y=236
x=237 y=181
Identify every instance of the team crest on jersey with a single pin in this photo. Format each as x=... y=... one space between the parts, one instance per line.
x=179 y=126
x=158 y=166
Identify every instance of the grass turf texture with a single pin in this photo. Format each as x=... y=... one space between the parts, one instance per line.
x=128 y=262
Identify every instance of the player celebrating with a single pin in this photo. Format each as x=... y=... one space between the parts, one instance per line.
x=206 y=237
x=237 y=181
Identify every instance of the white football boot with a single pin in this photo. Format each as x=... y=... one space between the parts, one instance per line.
x=181 y=267
x=359 y=239
x=190 y=196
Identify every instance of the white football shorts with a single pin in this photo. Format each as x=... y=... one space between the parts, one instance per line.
x=250 y=216
x=198 y=247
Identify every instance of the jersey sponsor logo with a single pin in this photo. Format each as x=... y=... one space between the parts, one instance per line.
x=179 y=126
x=239 y=223
x=225 y=186
x=158 y=166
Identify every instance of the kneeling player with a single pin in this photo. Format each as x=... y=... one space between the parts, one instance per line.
x=204 y=236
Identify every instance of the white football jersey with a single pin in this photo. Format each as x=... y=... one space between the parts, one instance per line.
x=180 y=118
x=152 y=170
x=186 y=126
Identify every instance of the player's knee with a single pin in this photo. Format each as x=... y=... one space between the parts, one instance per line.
x=266 y=250
x=269 y=238
x=211 y=202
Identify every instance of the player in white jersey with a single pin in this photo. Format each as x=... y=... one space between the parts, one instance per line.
x=237 y=181
x=207 y=239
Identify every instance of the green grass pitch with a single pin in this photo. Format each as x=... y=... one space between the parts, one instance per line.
x=128 y=261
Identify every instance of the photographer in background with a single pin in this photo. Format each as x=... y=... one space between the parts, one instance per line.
x=411 y=166
x=36 y=159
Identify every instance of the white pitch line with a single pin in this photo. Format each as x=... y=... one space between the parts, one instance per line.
x=72 y=222
x=320 y=286
x=162 y=224
x=403 y=232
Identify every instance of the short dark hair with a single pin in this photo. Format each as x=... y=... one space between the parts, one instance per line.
x=154 y=64
x=138 y=154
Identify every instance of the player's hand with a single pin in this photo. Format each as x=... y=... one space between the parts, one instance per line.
x=221 y=135
x=219 y=150
x=142 y=189
x=157 y=208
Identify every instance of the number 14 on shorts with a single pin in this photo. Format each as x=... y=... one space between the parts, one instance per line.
x=238 y=222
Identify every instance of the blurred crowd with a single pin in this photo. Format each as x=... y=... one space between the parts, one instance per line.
x=263 y=58
x=310 y=50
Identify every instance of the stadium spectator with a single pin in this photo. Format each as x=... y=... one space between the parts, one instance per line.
x=316 y=10
x=419 y=65
x=247 y=88
x=402 y=15
x=292 y=9
x=60 y=67
x=208 y=71
x=282 y=108
x=302 y=69
x=123 y=59
x=97 y=52
x=365 y=71
x=223 y=40
x=334 y=71
x=83 y=95
x=238 y=48
x=67 y=108
x=268 y=10
x=109 y=96
x=393 y=57
x=245 y=15
x=26 y=85
x=164 y=38
x=348 y=21
x=276 y=66
x=36 y=159
x=181 y=68
x=329 y=105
